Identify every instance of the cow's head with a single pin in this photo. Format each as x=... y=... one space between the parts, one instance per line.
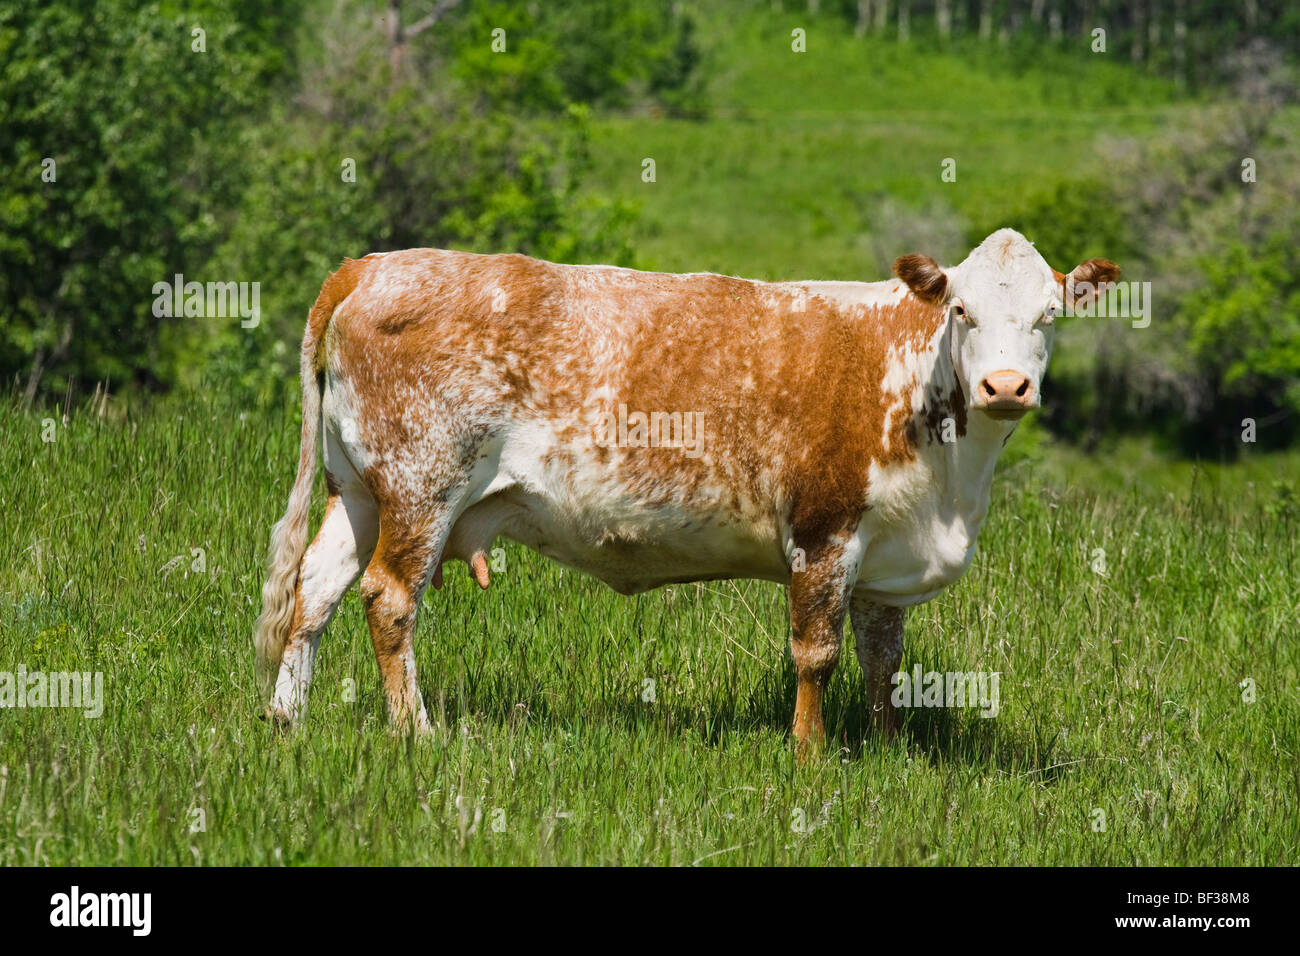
x=1002 y=303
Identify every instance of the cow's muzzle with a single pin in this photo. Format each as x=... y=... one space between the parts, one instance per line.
x=1005 y=394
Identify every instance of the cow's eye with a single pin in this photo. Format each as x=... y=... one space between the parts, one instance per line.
x=1049 y=314
x=960 y=313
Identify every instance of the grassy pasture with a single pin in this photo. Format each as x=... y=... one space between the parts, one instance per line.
x=1119 y=691
x=827 y=164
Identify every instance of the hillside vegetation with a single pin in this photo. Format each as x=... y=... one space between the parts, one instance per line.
x=827 y=163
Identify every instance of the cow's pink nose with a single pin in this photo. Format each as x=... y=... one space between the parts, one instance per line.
x=1006 y=391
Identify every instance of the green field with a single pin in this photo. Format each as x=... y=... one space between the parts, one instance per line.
x=1120 y=692
x=817 y=165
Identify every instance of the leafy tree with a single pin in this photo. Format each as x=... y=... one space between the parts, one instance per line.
x=582 y=51
x=117 y=139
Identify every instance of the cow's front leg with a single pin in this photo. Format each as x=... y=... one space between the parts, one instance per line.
x=878 y=635
x=819 y=598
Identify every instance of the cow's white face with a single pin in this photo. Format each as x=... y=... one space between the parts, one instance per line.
x=1002 y=302
x=1002 y=337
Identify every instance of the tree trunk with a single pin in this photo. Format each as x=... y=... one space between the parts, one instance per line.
x=1180 y=42
x=398 y=36
x=41 y=361
x=393 y=28
x=1137 y=51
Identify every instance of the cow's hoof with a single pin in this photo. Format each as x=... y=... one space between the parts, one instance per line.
x=419 y=728
x=808 y=750
x=278 y=719
x=889 y=727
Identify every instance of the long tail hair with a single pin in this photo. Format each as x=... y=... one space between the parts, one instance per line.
x=289 y=536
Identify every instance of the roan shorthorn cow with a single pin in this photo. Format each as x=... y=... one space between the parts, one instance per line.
x=839 y=438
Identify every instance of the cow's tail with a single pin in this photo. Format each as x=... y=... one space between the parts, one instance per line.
x=289 y=536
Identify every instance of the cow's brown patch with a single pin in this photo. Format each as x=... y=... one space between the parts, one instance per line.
x=337 y=287
x=793 y=400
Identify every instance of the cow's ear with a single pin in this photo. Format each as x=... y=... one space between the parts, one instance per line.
x=1082 y=286
x=924 y=277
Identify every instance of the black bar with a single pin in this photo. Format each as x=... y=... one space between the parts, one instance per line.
x=290 y=907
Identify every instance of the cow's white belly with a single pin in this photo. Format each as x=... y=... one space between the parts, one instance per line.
x=631 y=555
x=578 y=513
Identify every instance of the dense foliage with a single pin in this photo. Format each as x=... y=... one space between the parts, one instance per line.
x=123 y=167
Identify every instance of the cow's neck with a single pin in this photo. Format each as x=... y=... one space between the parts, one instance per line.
x=968 y=463
x=963 y=468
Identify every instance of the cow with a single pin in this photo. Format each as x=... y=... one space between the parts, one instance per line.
x=845 y=441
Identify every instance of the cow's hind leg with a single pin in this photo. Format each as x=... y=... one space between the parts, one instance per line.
x=392 y=586
x=335 y=559
x=878 y=634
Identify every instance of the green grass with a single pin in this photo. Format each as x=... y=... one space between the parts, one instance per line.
x=1118 y=692
x=819 y=165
